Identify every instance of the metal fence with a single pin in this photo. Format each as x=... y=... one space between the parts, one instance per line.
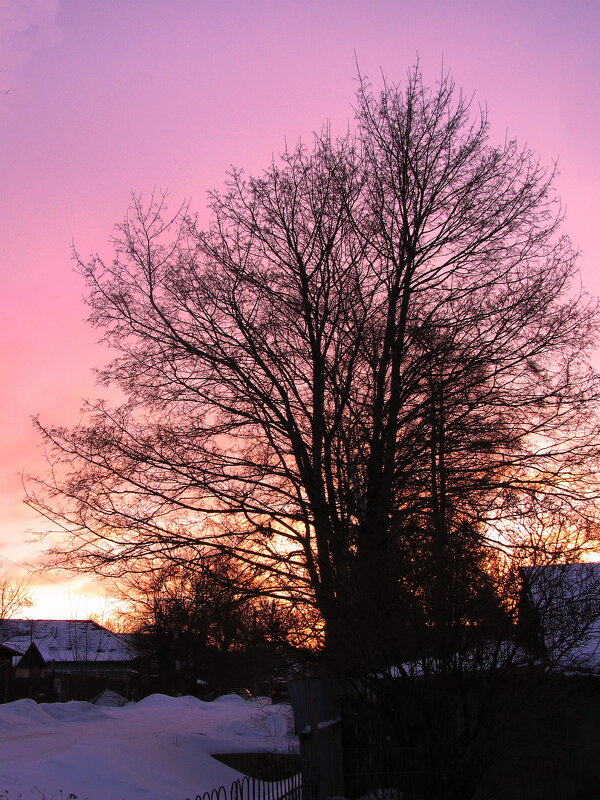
x=248 y=788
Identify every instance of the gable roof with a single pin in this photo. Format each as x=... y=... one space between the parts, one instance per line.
x=67 y=640
x=9 y=651
x=566 y=601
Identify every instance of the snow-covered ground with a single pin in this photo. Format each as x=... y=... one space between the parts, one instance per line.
x=157 y=749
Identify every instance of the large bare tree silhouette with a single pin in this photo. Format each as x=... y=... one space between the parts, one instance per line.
x=367 y=380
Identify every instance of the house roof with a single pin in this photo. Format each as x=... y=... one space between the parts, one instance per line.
x=66 y=640
x=18 y=647
x=566 y=600
x=6 y=648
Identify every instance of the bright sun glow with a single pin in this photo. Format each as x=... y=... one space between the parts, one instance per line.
x=71 y=601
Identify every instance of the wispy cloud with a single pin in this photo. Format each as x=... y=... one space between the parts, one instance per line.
x=26 y=26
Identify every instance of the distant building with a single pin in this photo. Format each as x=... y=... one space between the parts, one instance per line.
x=63 y=659
x=7 y=656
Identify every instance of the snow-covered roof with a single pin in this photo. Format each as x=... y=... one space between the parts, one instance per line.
x=566 y=599
x=489 y=656
x=66 y=640
x=18 y=646
x=17 y=649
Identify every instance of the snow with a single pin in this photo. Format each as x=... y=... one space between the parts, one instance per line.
x=157 y=749
x=566 y=598
x=67 y=639
x=322 y=725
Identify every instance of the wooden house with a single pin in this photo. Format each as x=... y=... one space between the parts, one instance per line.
x=65 y=659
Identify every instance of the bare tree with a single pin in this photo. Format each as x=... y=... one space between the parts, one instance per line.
x=376 y=336
x=366 y=384
x=202 y=621
x=14 y=595
x=204 y=602
x=375 y=355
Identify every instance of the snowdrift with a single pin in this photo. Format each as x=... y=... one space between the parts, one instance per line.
x=157 y=749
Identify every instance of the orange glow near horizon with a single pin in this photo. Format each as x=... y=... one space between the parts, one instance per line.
x=71 y=601
x=57 y=602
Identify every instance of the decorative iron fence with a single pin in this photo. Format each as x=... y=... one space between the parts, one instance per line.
x=248 y=788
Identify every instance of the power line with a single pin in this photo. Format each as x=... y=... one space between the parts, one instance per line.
x=31 y=571
x=39 y=574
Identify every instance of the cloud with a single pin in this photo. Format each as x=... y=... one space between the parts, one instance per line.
x=26 y=26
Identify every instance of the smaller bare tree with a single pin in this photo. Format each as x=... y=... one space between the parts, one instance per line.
x=14 y=595
x=207 y=619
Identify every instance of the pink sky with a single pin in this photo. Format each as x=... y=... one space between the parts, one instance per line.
x=101 y=97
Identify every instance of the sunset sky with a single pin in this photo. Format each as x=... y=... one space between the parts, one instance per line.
x=102 y=97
